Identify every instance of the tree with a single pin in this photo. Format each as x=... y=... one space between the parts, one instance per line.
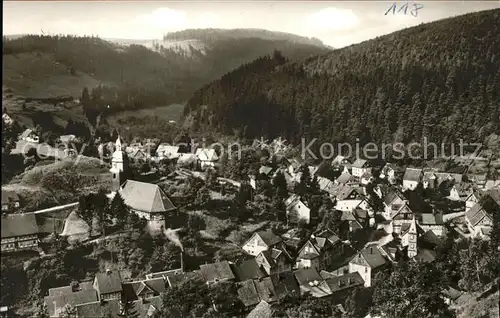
x=244 y=193
x=118 y=209
x=303 y=187
x=164 y=257
x=412 y=290
x=85 y=208
x=195 y=296
x=211 y=178
x=202 y=197
x=279 y=183
x=224 y=296
x=279 y=208
x=231 y=253
x=358 y=302
x=479 y=265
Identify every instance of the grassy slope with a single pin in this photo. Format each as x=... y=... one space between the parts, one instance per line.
x=32 y=184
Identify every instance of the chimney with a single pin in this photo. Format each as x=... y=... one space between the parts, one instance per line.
x=349 y=282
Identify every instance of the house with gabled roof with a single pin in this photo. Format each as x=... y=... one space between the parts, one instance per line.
x=147 y=200
x=311 y=283
x=354 y=220
x=479 y=221
x=261 y=241
x=349 y=197
x=319 y=251
x=345 y=178
x=108 y=285
x=403 y=215
x=360 y=167
x=433 y=222
x=262 y=310
x=326 y=185
x=434 y=179
x=340 y=160
x=275 y=261
x=393 y=201
x=342 y=285
x=412 y=178
x=247 y=293
x=460 y=192
x=247 y=269
x=57 y=304
x=166 y=151
x=367 y=263
x=217 y=272
x=297 y=210
x=144 y=289
x=207 y=157
x=19 y=232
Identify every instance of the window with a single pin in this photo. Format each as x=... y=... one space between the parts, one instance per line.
x=366 y=269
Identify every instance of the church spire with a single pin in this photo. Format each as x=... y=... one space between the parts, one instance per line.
x=118 y=144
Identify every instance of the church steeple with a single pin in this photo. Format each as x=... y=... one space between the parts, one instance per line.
x=412 y=238
x=118 y=144
x=119 y=165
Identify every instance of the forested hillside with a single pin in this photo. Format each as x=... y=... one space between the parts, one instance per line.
x=214 y=35
x=129 y=77
x=439 y=80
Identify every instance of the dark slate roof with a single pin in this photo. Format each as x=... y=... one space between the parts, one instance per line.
x=391 y=195
x=88 y=285
x=156 y=284
x=344 y=178
x=412 y=174
x=286 y=284
x=373 y=256
x=266 y=289
x=359 y=163
x=56 y=303
x=146 y=197
x=425 y=255
x=269 y=238
x=432 y=219
x=19 y=225
x=306 y=275
x=429 y=238
x=60 y=290
x=247 y=293
x=9 y=197
x=475 y=214
x=247 y=269
x=217 y=271
x=110 y=282
x=98 y=309
x=262 y=310
x=350 y=280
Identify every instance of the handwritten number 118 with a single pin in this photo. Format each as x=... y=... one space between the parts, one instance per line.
x=404 y=9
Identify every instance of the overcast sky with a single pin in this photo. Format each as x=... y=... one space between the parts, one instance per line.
x=335 y=23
